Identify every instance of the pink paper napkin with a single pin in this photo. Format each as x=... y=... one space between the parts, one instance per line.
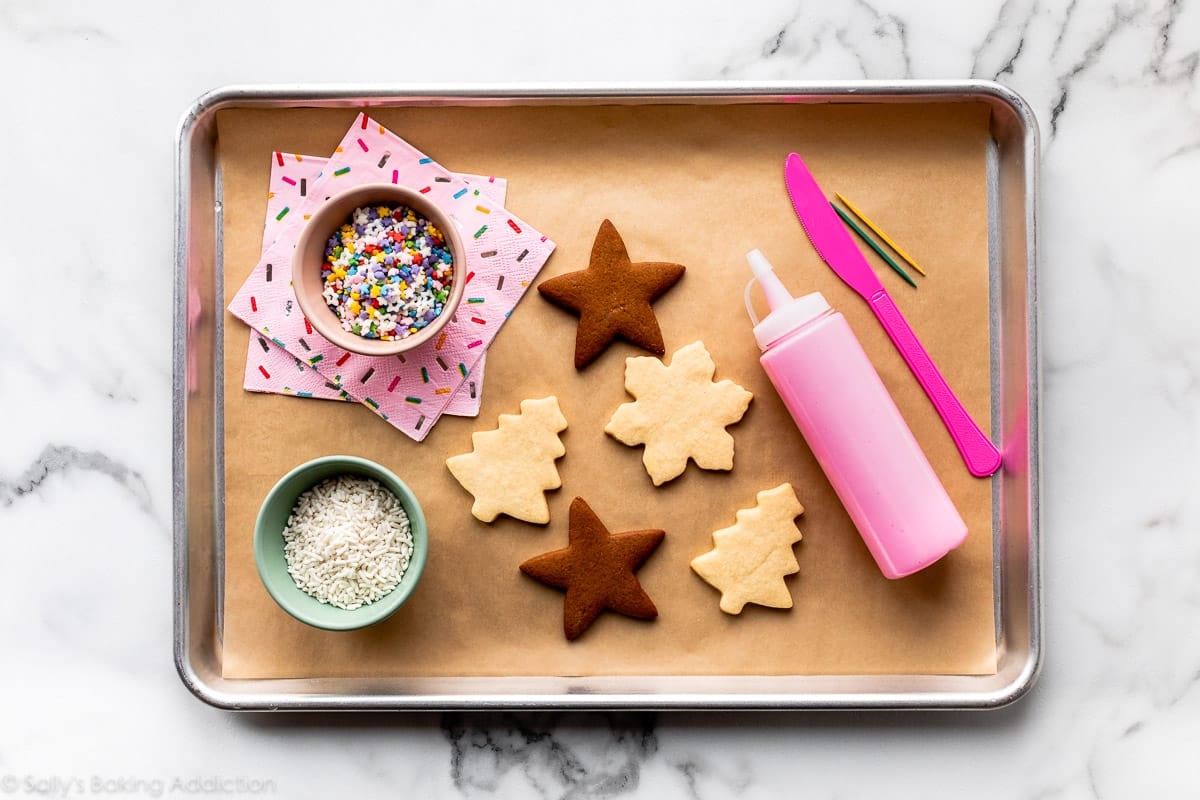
x=504 y=254
x=269 y=368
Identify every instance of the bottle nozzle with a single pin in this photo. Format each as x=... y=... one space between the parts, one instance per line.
x=777 y=294
x=759 y=264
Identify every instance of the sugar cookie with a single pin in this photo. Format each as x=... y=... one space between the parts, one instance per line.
x=511 y=467
x=679 y=413
x=750 y=559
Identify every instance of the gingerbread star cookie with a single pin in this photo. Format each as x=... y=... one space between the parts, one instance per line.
x=511 y=467
x=612 y=297
x=679 y=413
x=750 y=559
x=597 y=570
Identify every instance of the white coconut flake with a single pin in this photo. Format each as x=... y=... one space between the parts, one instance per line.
x=347 y=541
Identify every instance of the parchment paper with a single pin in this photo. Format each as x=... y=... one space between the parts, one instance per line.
x=699 y=186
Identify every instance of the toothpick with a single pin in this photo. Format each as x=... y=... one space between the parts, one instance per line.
x=887 y=239
x=871 y=243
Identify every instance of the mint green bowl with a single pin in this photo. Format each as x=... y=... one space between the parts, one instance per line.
x=272 y=565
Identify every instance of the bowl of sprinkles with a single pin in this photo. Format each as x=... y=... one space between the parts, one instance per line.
x=340 y=543
x=376 y=269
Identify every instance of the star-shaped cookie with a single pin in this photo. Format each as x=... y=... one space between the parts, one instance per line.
x=680 y=413
x=596 y=570
x=612 y=297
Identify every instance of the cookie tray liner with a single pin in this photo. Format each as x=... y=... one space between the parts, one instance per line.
x=200 y=423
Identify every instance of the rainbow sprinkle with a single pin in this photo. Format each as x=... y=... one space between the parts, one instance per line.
x=387 y=272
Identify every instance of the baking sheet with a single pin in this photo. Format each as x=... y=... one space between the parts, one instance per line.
x=697 y=185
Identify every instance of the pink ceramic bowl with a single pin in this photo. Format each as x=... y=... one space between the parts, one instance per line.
x=310 y=255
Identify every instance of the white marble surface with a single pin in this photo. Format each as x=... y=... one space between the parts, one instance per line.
x=87 y=688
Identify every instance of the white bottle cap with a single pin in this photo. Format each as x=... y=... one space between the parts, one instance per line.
x=787 y=313
x=782 y=321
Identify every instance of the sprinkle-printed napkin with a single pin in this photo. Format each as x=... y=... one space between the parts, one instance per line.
x=503 y=256
x=269 y=368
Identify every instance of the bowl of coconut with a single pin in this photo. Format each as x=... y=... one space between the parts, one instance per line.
x=340 y=542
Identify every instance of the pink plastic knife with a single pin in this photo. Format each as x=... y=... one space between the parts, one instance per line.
x=837 y=249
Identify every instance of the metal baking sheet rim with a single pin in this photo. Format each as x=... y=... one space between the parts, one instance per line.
x=1020 y=660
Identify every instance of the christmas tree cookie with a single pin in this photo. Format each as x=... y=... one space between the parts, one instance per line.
x=751 y=558
x=511 y=467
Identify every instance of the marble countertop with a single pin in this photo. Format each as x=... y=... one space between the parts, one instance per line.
x=91 y=704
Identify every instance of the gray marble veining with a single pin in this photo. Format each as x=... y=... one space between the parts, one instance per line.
x=59 y=459
x=556 y=755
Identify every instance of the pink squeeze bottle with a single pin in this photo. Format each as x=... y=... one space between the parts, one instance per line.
x=854 y=429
